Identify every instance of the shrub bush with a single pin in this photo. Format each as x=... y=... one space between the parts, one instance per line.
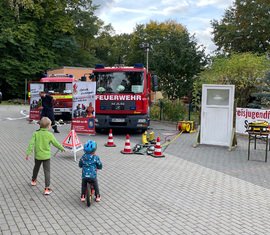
x=168 y=110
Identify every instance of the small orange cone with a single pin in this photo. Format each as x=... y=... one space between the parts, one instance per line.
x=127 y=149
x=157 y=152
x=110 y=140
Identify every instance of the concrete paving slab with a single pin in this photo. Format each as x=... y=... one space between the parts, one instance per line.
x=203 y=190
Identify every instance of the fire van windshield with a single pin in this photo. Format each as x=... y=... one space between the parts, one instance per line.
x=58 y=87
x=119 y=82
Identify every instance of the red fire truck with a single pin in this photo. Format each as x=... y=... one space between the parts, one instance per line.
x=60 y=87
x=123 y=96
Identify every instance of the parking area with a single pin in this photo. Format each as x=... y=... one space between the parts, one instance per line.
x=203 y=190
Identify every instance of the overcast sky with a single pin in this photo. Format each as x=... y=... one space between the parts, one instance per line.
x=195 y=15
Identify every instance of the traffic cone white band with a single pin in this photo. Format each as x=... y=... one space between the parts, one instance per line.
x=110 y=140
x=157 y=151
x=127 y=148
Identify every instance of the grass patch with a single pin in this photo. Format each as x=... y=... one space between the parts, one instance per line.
x=13 y=102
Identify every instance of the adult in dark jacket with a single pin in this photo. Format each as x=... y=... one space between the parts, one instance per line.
x=47 y=109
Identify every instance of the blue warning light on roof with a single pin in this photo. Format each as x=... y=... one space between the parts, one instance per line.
x=99 y=66
x=138 y=65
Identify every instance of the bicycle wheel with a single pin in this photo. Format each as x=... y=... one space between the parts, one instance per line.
x=88 y=195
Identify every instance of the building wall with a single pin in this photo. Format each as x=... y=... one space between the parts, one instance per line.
x=77 y=72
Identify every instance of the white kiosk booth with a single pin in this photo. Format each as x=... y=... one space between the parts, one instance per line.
x=217 y=112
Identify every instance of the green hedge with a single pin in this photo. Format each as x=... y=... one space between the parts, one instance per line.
x=168 y=110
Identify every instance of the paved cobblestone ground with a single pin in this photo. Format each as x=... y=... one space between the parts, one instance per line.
x=203 y=190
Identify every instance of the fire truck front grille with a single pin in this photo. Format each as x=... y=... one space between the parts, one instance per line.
x=118 y=124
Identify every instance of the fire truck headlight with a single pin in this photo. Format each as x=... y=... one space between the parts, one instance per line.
x=96 y=120
x=142 y=120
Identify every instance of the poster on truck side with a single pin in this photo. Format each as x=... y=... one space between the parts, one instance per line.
x=83 y=107
x=247 y=115
x=35 y=100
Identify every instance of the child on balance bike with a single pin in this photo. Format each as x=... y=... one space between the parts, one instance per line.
x=89 y=163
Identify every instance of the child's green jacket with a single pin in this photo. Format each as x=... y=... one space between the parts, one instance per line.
x=41 y=143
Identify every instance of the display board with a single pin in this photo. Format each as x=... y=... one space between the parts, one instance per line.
x=83 y=107
x=35 y=100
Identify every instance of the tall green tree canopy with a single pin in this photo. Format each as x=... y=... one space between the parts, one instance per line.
x=245 y=70
x=261 y=97
x=174 y=55
x=38 y=35
x=244 y=27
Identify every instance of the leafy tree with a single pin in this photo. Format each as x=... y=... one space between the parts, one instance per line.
x=38 y=35
x=87 y=28
x=244 y=27
x=120 y=49
x=261 y=97
x=113 y=49
x=244 y=70
x=102 y=45
x=174 y=55
x=136 y=53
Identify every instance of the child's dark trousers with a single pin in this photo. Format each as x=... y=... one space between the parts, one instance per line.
x=46 y=168
x=90 y=180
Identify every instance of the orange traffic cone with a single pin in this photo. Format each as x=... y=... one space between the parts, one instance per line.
x=127 y=149
x=110 y=140
x=157 y=152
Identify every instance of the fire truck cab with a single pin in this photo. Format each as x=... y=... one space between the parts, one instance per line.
x=60 y=87
x=123 y=97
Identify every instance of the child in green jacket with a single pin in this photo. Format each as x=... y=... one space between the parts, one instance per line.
x=41 y=143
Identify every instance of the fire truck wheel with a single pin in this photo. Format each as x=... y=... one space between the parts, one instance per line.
x=99 y=130
x=143 y=130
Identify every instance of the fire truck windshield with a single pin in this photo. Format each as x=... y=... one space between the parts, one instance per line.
x=58 y=87
x=119 y=82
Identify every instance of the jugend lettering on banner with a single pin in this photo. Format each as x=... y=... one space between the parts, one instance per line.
x=72 y=143
x=83 y=107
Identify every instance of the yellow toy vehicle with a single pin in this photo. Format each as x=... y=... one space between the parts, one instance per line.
x=258 y=126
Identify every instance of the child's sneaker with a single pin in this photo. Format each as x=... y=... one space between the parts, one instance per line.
x=82 y=198
x=47 y=191
x=98 y=198
x=34 y=182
